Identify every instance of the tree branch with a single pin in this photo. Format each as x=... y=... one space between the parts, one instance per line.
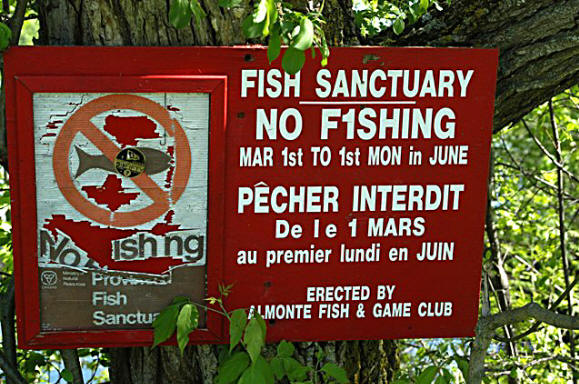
x=11 y=373
x=534 y=311
x=530 y=364
x=536 y=326
x=17 y=20
x=487 y=326
x=71 y=362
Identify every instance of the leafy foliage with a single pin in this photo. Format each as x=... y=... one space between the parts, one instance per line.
x=182 y=315
x=524 y=207
x=275 y=20
x=244 y=362
x=280 y=24
x=376 y=16
x=181 y=12
x=5 y=36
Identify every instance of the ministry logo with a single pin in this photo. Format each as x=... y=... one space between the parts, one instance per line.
x=48 y=278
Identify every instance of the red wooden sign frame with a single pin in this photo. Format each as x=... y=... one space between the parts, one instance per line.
x=24 y=201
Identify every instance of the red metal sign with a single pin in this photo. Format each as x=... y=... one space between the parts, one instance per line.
x=344 y=202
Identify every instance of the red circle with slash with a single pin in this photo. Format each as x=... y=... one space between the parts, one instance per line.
x=79 y=122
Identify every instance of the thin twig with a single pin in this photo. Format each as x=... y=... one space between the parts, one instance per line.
x=562 y=359
x=555 y=161
x=561 y=209
x=537 y=178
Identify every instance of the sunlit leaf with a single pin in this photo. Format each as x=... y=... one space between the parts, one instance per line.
x=180 y=13
x=187 y=321
x=304 y=39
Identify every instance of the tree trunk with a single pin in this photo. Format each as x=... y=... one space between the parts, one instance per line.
x=137 y=22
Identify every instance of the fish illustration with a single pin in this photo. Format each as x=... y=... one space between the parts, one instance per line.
x=155 y=161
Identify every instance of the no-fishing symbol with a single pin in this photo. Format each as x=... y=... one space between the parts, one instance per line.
x=130 y=162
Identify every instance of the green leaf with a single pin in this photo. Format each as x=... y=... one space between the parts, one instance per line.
x=295 y=371
x=463 y=366
x=252 y=375
x=254 y=339
x=293 y=60
x=5 y=36
x=276 y=365
x=427 y=376
x=441 y=380
x=197 y=11
x=164 y=325
x=261 y=323
x=236 y=326
x=424 y=4
x=250 y=29
x=180 y=13
x=232 y=368
x=398 y=26
x=271 y=17
x=414 y=13
x=336 y=372
x=229 y=3
x=285 y=349
x=223 y=355
x=274 y=47
x=67 y=375
x=265 y=370
x=305 y=37
x=186 y=322
x=448 y=377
